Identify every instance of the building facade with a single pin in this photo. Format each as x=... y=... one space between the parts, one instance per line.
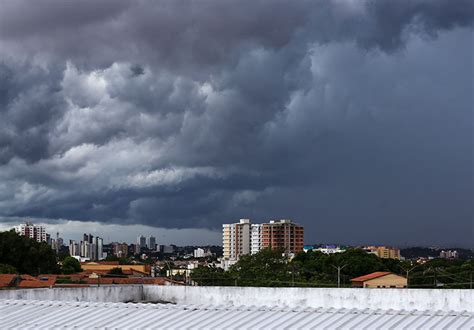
x=283 y=234
x=243 y=237
x=380 y=280
x=256 y=240
x=120 y=250
x=74 y=249
x=90 y=248
x=236 y=239
x=141 y=243
x=28 y=229
x=449 y=254
x=384 y=252
x=151 y=244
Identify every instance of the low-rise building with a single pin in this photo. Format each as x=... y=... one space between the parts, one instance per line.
x=120 y=250
x=384 y=252
x=107 y=266
x=326 y=249
x=380 y=280
x=449 y=254
x=201 y=253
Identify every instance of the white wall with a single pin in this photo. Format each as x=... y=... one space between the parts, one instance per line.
x=407 y=299
x=119 y=293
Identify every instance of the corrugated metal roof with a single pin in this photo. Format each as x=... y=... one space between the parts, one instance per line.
x=32 y=314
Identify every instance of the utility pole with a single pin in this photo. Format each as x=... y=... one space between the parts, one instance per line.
x=407 y=271
x=292 y=274
x=171 y=271
x=339 y=268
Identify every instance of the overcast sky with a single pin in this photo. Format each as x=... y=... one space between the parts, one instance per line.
x=354 y=118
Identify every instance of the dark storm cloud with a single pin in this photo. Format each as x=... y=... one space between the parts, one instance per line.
x=186 y=33
x=189 y=114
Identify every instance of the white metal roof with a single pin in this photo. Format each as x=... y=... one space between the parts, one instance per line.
x=33 y=314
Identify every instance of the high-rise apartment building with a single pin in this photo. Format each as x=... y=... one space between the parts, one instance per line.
x=87 y=250
x=283 y=234
x=141 y=243
x=74 y=249
x=99 y=248
x=28 y=229
x=90 y=248
x=151 y=244
x=88 y=238
x=256 y=238
x=244 y=238
x=236 y=239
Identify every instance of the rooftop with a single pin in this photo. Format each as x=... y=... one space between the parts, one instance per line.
x=370 y=276
x=60 y=314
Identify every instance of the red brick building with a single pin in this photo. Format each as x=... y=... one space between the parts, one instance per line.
x=283 y=234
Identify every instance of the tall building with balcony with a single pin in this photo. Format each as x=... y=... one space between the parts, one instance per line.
x=256 y=239
x=283 y=234
x=28 y=229
x=244 y=238
x=236 y=239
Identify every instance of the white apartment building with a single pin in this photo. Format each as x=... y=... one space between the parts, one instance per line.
x=256 y=238
x=236 y=239
x=151 y=243
x=99 y=248
x=38 y=233
x=74 y=249
x=88 y=250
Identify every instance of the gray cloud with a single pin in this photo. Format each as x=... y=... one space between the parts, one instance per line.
x=187 y=114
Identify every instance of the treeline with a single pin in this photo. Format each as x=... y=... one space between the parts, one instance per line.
x=315 y=269
x=23 y=255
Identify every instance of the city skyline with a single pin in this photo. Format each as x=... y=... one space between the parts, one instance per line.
x=354 y=118
x=74 y=230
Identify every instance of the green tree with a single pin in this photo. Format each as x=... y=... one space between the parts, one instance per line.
x=63 y=255
x=211 y=276
x=70 y=266
x=116 y=271
x=265 y=268
x=7 y=269
x=27 y=255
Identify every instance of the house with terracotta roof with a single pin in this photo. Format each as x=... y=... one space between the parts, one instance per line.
x=7 y=280
x=380 y=280
x=45 y=281
x=134 y=269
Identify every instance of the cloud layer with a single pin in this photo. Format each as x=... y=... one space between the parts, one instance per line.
x=348 y=116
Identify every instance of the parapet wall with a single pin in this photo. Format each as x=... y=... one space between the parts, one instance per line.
x=398 y=299
x=117 y=293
